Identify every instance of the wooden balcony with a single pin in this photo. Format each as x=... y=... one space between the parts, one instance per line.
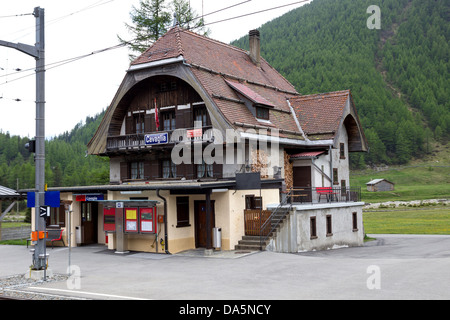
x=161 y=139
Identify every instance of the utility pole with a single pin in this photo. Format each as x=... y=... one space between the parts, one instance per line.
x=38 y=52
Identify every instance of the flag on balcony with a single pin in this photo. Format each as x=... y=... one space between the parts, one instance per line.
x=156 y=117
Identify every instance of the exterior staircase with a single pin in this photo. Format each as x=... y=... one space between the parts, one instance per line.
x=254 y=242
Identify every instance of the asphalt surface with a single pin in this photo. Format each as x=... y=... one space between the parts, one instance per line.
x=398 y=267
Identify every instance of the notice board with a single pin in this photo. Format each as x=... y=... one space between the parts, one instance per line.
x=131 y=220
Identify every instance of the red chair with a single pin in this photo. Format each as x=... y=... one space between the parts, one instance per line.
x=60 y=238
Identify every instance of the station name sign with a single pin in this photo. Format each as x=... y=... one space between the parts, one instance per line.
x=157 y=138
x=89 y=197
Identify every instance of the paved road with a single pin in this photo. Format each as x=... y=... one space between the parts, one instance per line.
x=392 y=267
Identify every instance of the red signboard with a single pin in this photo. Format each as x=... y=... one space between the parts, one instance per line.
x=109 y=219
x=194 y=133
x=147 y=220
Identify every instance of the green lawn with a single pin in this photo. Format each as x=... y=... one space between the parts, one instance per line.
x=411 y=183
x=408 y=221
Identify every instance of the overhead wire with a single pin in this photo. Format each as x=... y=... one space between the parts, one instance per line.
x=16 y=15
x=55 y=20
x=252 y=13
x=63 y=62
x=101 y=2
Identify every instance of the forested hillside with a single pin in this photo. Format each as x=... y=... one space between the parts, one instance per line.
x=66 y=162
x=398 y=75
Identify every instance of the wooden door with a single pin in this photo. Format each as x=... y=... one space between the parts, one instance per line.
x=302 y=184
x=89 y=215
x=200 y=223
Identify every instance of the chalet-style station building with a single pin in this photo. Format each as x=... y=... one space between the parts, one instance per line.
x=205 y=142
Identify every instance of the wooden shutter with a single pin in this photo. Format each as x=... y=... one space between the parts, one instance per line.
x=218 y=170
x=181 y=170
x=124 y=172
x=189 y=171
x=154 y=169
x=147 y=170
x=179 y=118
x=147 y=122
x=129 y=125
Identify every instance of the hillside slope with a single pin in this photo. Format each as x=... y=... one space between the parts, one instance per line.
x=398 y=75
x=66 y=162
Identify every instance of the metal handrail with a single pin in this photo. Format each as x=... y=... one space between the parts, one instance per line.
x=338 y=193
x=269 y=220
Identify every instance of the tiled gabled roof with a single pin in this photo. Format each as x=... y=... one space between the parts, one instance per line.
x=320 y=114
x=216 y=65
x=213 y=55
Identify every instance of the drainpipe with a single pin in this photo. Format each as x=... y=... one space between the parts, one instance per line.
x=165 y=222
x=331 y=166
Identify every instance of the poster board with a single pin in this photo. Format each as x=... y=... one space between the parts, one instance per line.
x=131 y=220
x=109 y=219
x=147 y=219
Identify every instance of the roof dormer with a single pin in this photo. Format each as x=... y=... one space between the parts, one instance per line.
x=257 y=104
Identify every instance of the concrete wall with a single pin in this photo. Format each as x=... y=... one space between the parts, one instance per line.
x=295 y=234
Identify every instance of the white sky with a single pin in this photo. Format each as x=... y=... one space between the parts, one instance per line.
x=87 y=86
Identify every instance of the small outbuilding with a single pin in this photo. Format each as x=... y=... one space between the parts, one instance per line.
x=380 y=185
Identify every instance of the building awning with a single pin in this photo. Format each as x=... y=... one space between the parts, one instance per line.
x=9 y=194
x=305 y=155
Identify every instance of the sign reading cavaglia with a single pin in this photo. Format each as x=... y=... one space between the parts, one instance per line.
x=157 y=138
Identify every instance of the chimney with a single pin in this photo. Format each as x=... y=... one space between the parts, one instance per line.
x=255 y=48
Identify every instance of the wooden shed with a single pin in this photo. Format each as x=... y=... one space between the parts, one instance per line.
x=380 y=185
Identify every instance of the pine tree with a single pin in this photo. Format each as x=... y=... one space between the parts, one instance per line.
x=154 y=17
x=150 y=22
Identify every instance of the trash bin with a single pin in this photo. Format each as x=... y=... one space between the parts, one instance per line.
x=217 y=238
x=79 y=234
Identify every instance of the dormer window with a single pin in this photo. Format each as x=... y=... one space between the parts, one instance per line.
x=262 y=113
x=258 y=105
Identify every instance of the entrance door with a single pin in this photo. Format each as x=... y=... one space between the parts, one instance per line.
x=302 y=182
x=200 y=223
x=89 y=217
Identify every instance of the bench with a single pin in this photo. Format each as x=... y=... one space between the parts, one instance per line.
x=299 y=194
x=55 y=235
x=327 y=192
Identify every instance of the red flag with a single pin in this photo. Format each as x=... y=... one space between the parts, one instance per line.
x=156 y=116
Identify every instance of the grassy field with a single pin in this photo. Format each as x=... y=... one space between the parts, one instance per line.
x=418 y=181
x=408 y=221
x=411 y=183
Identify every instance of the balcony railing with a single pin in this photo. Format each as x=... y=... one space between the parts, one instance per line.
x=317 y=195
x=144 y=140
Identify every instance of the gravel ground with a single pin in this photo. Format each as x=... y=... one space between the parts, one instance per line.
x=408 y=204
x=15 y=287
